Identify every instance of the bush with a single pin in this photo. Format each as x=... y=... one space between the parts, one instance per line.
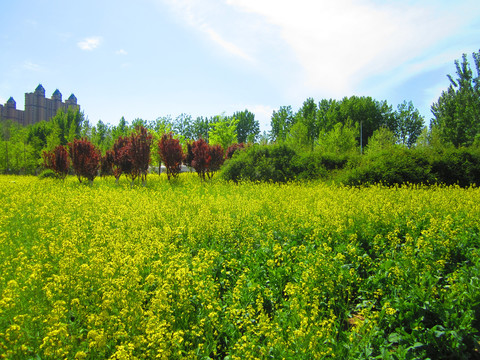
x=310 y=166
x=122 y=160
x=198 y=157
x=47 y=174
x=457 y=166
x=106 y=164
x=396 y=165
x=216 y=159
x=262 y=163
x=85 y=159
x=171 y=154
x=57 y=160
x=232 y=149
x=140 y=143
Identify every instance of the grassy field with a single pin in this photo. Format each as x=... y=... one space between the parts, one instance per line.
x=216 y=270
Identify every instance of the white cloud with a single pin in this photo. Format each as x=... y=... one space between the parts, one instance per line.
x=208 y=17
x=28 y=65
x=90 y=43
x=121 y=52
x=341 y=43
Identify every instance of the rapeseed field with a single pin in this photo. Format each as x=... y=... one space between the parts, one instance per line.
x=214 y=270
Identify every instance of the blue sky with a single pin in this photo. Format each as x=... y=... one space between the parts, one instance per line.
x=151 y=58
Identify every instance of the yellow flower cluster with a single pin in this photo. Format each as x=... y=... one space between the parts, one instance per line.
x=208 y=270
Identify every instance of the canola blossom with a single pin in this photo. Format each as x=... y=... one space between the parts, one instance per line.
x=196 y=270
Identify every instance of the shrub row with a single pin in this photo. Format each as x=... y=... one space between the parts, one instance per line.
x=395 y=165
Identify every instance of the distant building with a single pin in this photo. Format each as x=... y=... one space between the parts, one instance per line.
x=37 y=107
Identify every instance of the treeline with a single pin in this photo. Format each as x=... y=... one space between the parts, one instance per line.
x=22 y=147
x=353 y=140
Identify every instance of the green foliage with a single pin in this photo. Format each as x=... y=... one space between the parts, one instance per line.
x=248 y=128
x=297 y=137
x=457 y=166
x=394 y=165
x=307 y=115
x=367 y=113
x=342 y=139
x=457 y=111
x=262 y=163
x=224 y=132
x=280 y=123
x=47 y=174
x=407 y=124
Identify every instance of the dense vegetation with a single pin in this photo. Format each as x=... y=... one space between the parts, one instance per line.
x=181 y=269
x=252 y=264
x=353 y=140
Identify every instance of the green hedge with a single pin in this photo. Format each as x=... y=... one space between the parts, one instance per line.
x=395 y=165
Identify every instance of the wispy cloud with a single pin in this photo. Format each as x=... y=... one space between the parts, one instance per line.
x=205 y=17
x=90 y=43
x=28 y=65
x=341 y=43
x=121 y=52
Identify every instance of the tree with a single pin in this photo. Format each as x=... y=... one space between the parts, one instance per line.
x=248 y=128
x=85 y=159
x=199 y=157
x=281 y=122
x=183 y=126
x=57 y=160
x=368 y=113
x=122 y=160
x=408 y=124
x=307 y=115
x=216 y=159
x=106 y=163
x=342 y=139
x=102 y=135
x=171 y=153
x=224 y=132
x=201 y=127
x=140 y=143
x=457 y=111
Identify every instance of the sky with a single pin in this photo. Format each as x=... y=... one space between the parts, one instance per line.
x=153 y=58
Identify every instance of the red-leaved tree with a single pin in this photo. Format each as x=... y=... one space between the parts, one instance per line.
x=201 y=157
x=122 y=161
x=140 y=143
x=216 y=159
x=171 y=153
x=106 y=163
x=85 y=159
x=188 y=157
x=232 y=149
x=57 y=160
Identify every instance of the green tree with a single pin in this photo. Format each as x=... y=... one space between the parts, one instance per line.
x=122 y=129
x=102 y=136
x=342 y=139
x=457 y=111
x=201 y=127
x=408 y=124
x=297 y=137
x=368 y=113
x=307 y=115
x=281 y=122
x=183 y=125
x=248 y=128
x=224 y=132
